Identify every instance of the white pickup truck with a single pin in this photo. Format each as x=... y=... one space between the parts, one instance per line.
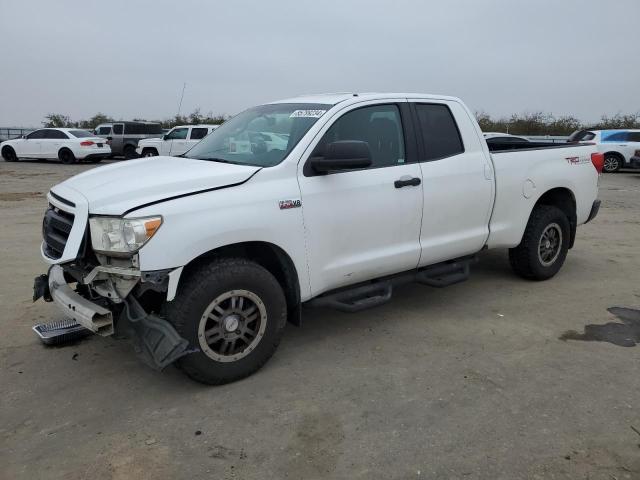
x=202 y=259
x=177 y=141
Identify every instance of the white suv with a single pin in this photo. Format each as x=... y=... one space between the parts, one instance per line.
x=618 y=146
x=65 y=144
x=176 y=142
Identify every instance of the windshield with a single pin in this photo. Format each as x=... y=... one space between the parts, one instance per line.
x=261 y=136
x=80 y=133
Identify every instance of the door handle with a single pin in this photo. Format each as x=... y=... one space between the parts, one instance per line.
x=407 y=182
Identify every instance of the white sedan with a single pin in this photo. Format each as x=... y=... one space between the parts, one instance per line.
x=68 y=145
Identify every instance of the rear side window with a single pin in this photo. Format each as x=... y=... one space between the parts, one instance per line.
x=614 y=136
x=55 y=134
x=439 y=131
x=198 y=133
x=634 y=137
x=118 y=129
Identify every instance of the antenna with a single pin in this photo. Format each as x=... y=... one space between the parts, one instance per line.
x=184 y=85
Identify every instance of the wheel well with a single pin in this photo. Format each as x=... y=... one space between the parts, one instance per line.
x=269 y=256
x=149 y=148
x=615 y=154
x=6 y=148
x=563 y=199
x=64 y=149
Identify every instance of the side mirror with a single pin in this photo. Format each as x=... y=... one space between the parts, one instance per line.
x=109 y=138
x=343 y=155
x=165 y=137
x=24 y=137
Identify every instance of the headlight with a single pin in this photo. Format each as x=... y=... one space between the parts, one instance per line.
x=122 y=235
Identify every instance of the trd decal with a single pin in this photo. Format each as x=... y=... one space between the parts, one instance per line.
x=577 y=160
x=286 y=204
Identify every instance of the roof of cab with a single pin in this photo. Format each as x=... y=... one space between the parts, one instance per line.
x=335 y=98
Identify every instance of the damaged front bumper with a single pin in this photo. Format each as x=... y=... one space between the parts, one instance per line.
x=155 y=340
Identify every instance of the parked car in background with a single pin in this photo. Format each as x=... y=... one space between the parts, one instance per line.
x=175 y=142
x=618 y=145
x=635 y=160
x=65 y=144
x=203 y=258
x=123 y=137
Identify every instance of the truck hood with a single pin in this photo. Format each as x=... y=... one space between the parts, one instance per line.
x=114 y=189
x=150 y=141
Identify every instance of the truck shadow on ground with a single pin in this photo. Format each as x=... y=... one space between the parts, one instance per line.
x=625 y=334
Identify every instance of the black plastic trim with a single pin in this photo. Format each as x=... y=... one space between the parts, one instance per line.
x=62 y=200
x=595 y=208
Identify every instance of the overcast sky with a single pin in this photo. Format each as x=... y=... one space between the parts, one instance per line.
x=130 y=58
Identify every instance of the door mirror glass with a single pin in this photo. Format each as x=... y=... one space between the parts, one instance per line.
x=343 y=155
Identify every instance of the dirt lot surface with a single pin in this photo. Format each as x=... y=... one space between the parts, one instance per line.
x=468 y=382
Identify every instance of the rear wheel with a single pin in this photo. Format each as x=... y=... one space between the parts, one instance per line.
x=544 y=245
x=612 y=163
x=66 y=156
x=233 y=312
x=149 y=152
x=129 y=152
x=9 y=154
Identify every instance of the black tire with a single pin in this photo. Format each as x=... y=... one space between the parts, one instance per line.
x=201 y=289
x=9 y=154
x=526 y=259
x=149 y=152
x=612 y=163
x=130 y=152
x=66 y=156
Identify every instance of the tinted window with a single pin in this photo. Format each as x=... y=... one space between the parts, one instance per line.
x=142 y=129
x=633 y=137
x=380 y=126
x=439 y=131
x=103 y=131
x=54 y=134
x=118 y=129
x=80 y=133
x=35 y=135
x=177 y=134
x=614 y=136
x=198 y=133
x=507 y=139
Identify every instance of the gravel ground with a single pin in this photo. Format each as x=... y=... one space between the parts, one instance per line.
x=476 y=381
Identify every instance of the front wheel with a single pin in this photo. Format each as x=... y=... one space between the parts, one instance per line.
x=149 y=152
x=232 y=312
x=9 y=154
x=544 y=245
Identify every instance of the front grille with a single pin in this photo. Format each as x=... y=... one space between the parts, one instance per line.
x=56 y=228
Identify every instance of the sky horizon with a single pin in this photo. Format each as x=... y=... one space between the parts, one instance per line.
x=501 y=57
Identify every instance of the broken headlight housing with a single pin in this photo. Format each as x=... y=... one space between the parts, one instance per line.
x=122 y=236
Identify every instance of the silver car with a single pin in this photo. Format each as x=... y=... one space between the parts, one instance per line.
x=123 y=137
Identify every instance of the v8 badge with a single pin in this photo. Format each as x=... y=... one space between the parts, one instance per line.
x=286 y=204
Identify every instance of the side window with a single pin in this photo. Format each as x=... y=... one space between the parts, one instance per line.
x=379 y=125
x=634 y=137
x=36 y=135
x=614 y=137
x=198 y=133
x=57 y=134
x=104 y=131
x=177 y=134
x=588 y=136
x=439 y=131
x=118 y=128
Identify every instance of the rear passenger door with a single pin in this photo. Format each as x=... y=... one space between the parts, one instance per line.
x=51 y=143
x=457 y=182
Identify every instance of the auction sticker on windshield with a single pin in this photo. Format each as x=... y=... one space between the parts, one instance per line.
x=307 y=113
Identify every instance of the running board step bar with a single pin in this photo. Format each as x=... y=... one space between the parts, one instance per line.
x=368 y=295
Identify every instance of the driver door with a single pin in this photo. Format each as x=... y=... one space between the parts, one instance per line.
x=30 y=145
x=178 y=141
x=363 y=224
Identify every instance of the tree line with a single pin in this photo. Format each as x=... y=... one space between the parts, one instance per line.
x=536 y=123
x=59 y=120
x=540 y=123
